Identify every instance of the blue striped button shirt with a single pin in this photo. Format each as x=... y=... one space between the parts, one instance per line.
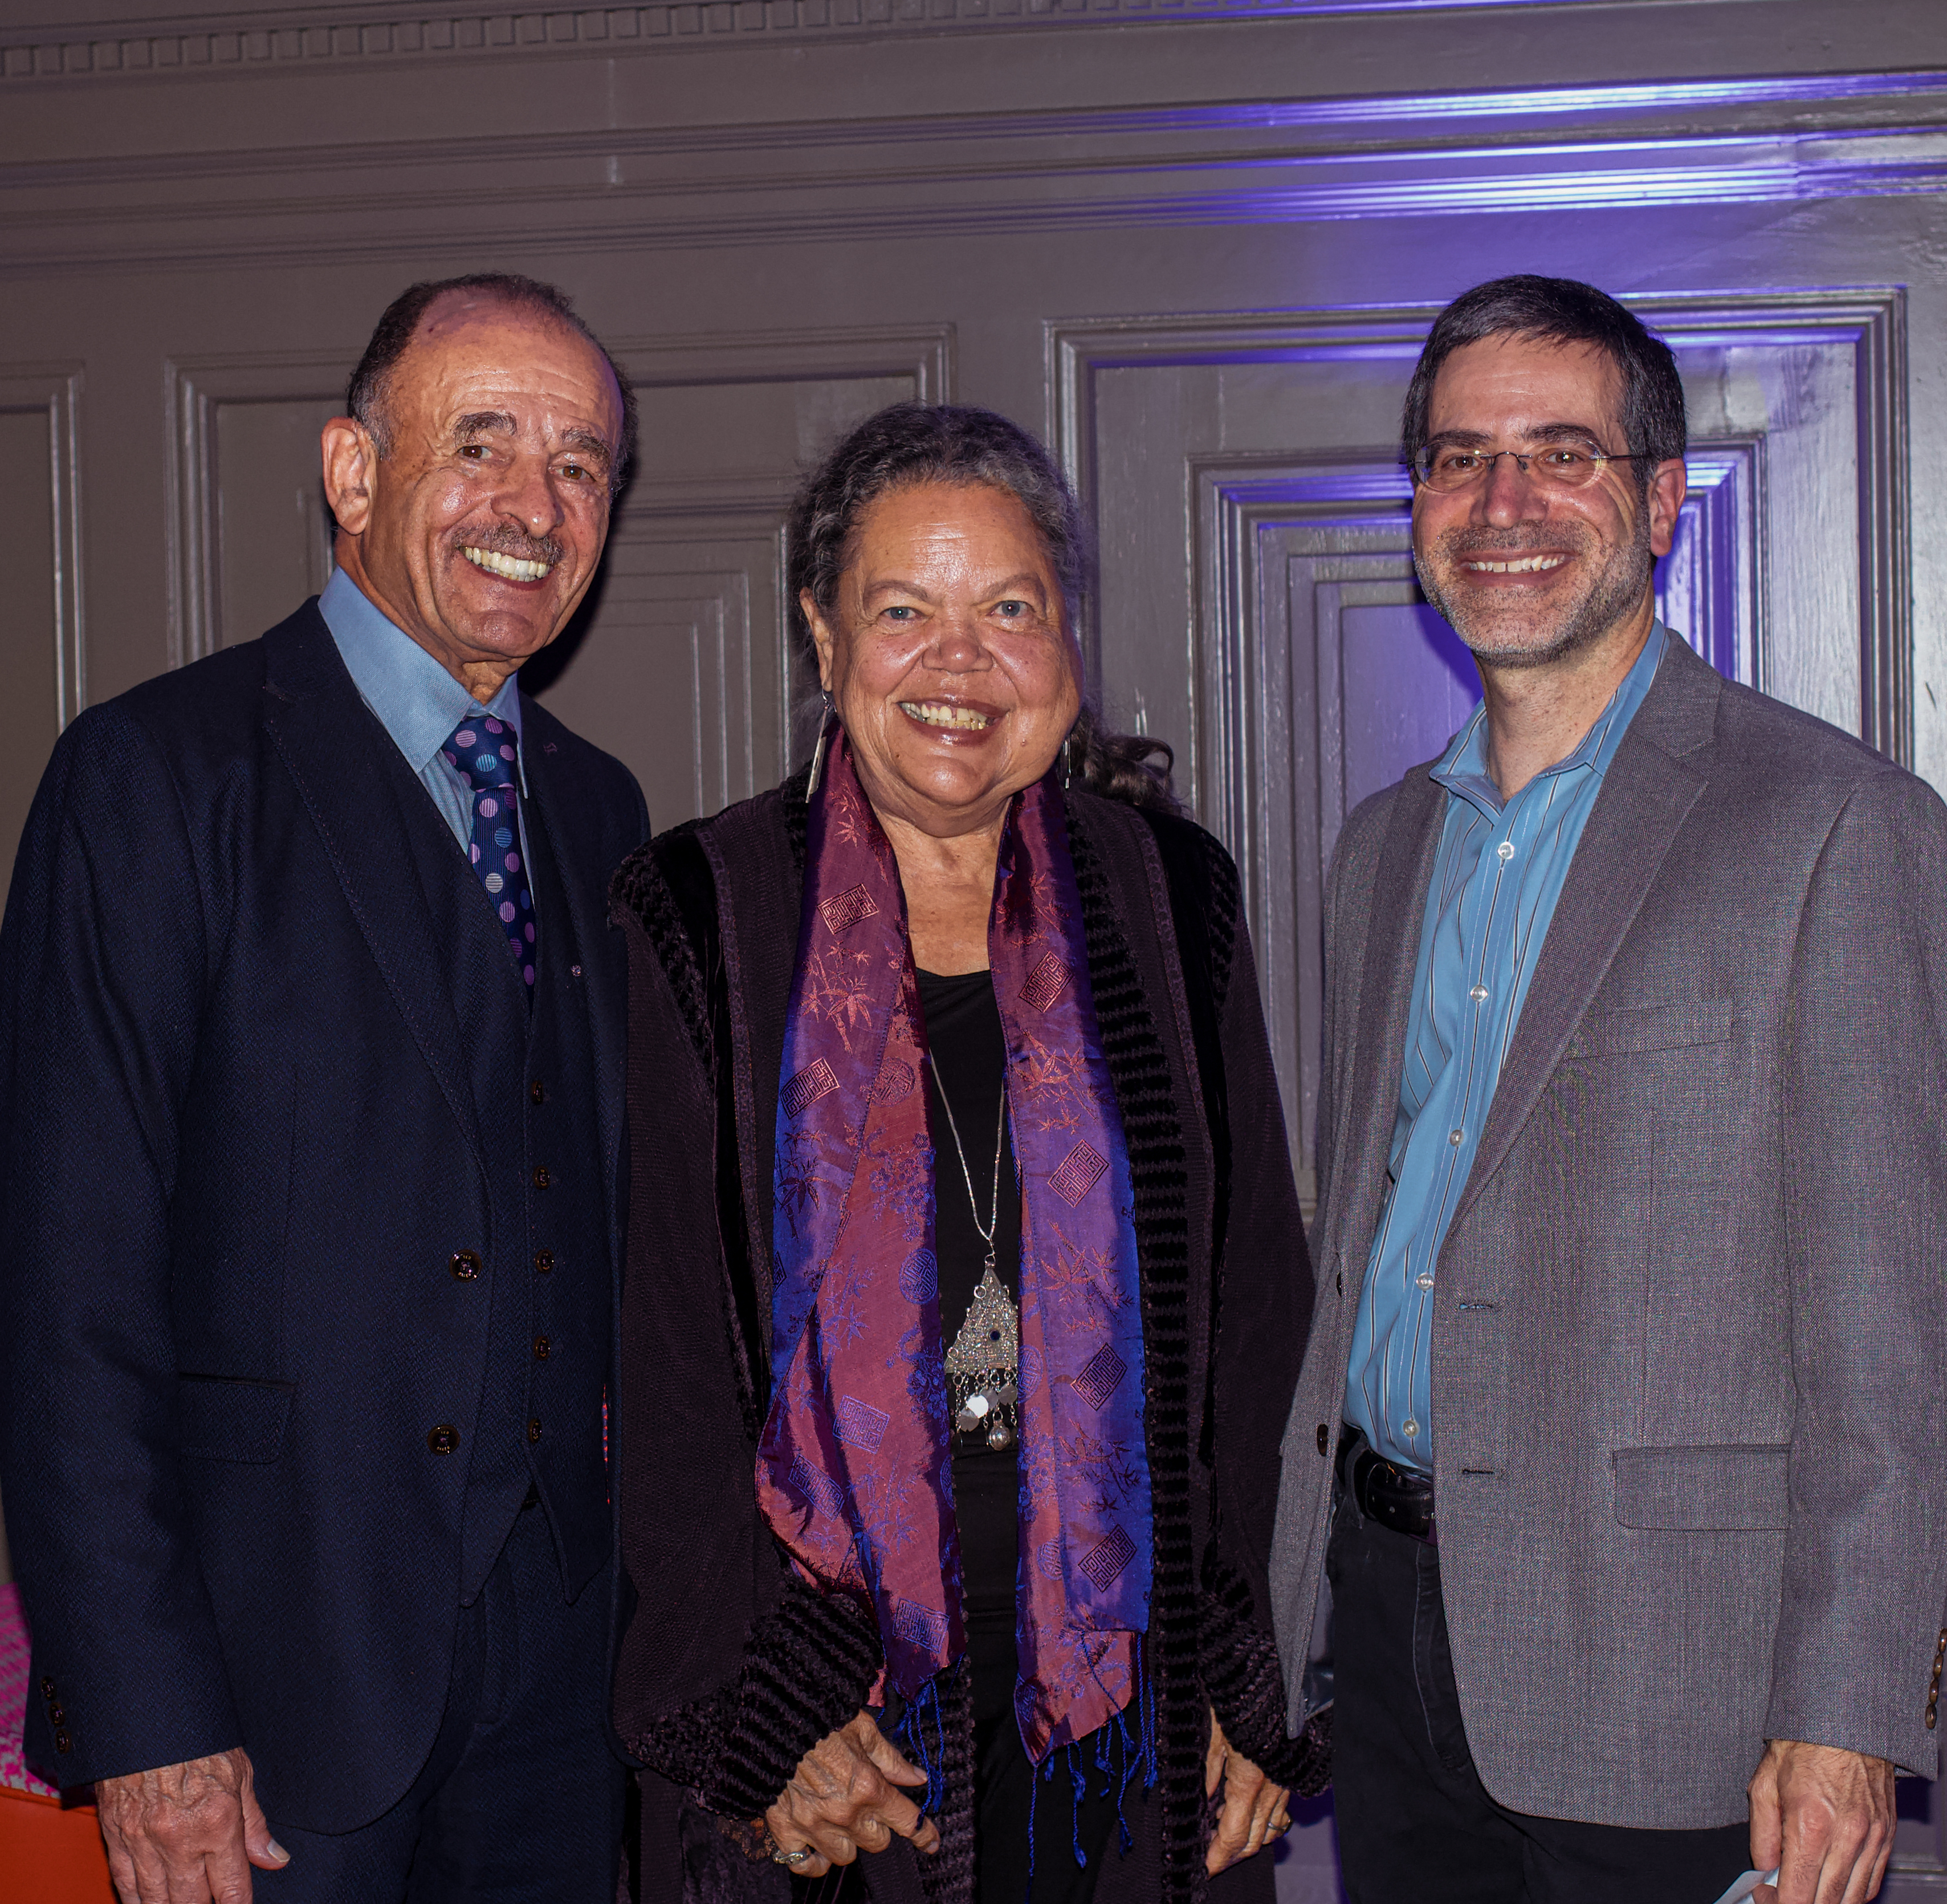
x=1495 y=880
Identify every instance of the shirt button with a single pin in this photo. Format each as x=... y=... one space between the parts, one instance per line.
x=543 y=1348
x=1409 y=1427
x=543 y=1262
x=538 y=1091
x=1455 y=1137
x=534 y=1429
x=1479 y=992
x=1505 y=849
x=541 y=1176
x=1424 y=1280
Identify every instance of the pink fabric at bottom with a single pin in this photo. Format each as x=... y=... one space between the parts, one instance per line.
x=14 y=1696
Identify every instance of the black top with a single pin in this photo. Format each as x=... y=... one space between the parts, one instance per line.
x=968 y=1046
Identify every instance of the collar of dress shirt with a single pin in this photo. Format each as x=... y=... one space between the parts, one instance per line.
x=1462 y=769
x=417 y=702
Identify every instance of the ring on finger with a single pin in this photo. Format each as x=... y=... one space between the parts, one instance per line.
x=801 y=1855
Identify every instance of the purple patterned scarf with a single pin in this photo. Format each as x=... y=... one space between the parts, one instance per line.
x=854 y=1473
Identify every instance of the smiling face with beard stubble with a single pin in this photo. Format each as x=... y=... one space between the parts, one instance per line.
x=1528 y=574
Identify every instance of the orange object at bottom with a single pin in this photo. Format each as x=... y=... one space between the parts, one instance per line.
x=48 y=1856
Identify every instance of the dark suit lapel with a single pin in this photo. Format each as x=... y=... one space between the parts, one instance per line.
x=1385 y=1000
x=1645 y=796
x=583 y=888
x=350 y=777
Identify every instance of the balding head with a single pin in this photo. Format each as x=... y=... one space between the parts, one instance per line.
x=422 y=311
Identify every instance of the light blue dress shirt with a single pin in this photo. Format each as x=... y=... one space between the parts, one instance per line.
x=1496 y=877
x=417 y=702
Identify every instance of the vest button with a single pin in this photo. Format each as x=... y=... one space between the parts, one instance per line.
x=538 y=1091
x=444 y=1439
x=47 y=1687
x=56 y=1716
x=541 y=1176
x=465 y=1265
x=543 y=1348
x=543 y=1262
x=534 y=1429
x=1324 y=1439
x=64 y=1743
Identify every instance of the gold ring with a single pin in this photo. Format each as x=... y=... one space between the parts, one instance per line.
x=794 y=1858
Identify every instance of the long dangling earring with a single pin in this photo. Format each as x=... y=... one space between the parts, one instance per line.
x=825 y=726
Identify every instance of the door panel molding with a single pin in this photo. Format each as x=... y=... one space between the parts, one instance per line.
x=194 y=390
x=1248 y=518
x=1865 y=328
x=53 y=390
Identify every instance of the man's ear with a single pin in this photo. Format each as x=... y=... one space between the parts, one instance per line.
x=820 y=636
x=350 y=457
x=1667 y=488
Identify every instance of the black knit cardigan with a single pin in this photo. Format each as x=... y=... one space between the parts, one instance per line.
x=729 y=1668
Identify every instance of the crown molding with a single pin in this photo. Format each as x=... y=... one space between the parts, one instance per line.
x=268 y=39
x=868 y=190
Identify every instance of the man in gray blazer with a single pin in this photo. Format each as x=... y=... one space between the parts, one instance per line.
x=1620 y=1434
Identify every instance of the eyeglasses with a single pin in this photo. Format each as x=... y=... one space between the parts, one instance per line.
x=1446 y=467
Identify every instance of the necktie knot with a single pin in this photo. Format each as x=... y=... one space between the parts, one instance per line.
x=485 y=752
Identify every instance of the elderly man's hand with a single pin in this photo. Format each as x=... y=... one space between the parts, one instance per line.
x=1256 y=1811
x=186 y=1834
x=1824 y=1817
x=844 y=1798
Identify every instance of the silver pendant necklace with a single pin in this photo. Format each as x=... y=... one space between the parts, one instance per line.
x=983 y=1365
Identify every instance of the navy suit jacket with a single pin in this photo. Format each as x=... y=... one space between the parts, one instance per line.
x=241 y=1149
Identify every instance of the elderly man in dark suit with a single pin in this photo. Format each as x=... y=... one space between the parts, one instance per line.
x=312 y=1025
x=1619 y=1439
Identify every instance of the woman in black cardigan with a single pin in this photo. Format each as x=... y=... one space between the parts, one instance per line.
x=966 y=1285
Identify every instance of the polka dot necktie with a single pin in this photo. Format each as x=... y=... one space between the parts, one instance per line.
x=486 y=754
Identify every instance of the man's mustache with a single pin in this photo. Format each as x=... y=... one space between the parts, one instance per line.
x=1458 y=543
x=501 y=540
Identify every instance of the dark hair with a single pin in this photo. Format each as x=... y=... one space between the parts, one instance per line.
x=908 y=444
x=1560 y=311
x=366 y=395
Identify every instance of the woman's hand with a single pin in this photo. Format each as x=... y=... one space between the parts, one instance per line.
x=844 y=1798
x=1256 y=1811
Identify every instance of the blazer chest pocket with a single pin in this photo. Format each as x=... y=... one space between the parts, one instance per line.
x=226 y=1418
x=1737 y=1488
x=1652 y=1028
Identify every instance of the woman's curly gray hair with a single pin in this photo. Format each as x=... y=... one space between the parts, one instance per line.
x=908 y=444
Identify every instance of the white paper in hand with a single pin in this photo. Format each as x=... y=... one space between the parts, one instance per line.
x=1745 y=1885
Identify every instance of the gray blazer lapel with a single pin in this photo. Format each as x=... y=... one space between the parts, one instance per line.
x=1385 y=1000
x=1645 y=797
x=348 y=772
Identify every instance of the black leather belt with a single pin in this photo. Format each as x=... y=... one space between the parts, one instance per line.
x=1398 y=1498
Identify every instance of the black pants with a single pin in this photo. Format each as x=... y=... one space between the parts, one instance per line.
x=1414 y=1819
x=521 y=1800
